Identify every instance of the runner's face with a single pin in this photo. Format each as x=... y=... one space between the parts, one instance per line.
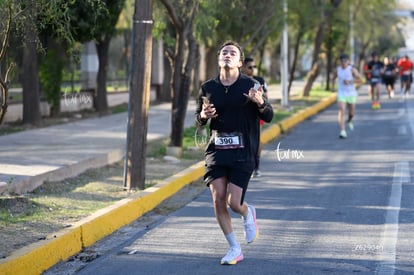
x=249 y=68
x=344 y=62
x=229 y=57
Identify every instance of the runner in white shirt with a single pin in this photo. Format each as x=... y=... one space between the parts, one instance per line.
x=347 y=93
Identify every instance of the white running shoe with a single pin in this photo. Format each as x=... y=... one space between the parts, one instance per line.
x=351 y=126
x=251 y=230
x=234 y=256
x=256 y=173
x=343 y=134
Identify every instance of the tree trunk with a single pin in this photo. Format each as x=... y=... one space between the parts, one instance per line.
x=183 y=60
x=311 y=77
x=165 y=93
x=100 y=97
x=295 y=58
x=329 y=58
x=313 y=73
x=3 y=103
x=30 y=79
x=4 y=72
x=196 y=73
x=211 y=63
x=181 y=86
x=326 y=20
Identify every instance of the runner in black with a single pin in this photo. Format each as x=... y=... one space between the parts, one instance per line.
x=234 y=109
x=248 y=69
x=388 y=76
x=375 y=67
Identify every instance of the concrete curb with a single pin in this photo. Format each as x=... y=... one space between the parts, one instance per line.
x=38 y=257
x=26 y=183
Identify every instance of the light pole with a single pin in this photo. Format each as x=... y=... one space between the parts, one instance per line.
x=139 y=96
x=284 y=55
x=351 y=34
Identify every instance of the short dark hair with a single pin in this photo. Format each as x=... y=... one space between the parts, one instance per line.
x=247 y=60
x=344 y=56
x=232 y=43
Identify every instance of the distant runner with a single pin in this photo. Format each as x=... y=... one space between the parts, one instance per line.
x=406 y=68
x=375 y=67
x=347 y=93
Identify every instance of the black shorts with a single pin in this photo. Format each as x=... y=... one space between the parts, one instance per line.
x=405 y=78
x=388 y=80
x=374 y=81
x=238 y=174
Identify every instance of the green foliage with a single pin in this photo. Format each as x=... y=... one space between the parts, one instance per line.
x=67 y=75
x=375 y=27
x=157 y=151
x=188 y=137
x=50 y=74
x=83 y=18
x=53 y=19
x=252 y=23
x=93 y=19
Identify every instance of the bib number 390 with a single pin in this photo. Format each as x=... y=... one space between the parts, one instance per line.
x=222 y=141
x=227 y=140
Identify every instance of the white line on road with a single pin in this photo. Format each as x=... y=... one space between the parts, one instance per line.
x=390 y=234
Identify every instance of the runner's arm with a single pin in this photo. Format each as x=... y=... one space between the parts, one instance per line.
x=357 y=76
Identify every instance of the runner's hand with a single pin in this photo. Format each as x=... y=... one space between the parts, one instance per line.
x=208 y=111
x=256 y=95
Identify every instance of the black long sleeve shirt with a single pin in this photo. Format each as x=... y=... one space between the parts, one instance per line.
x=236 y=114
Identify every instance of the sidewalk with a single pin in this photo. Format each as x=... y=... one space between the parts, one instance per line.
x=29 y=158
x=54 y=153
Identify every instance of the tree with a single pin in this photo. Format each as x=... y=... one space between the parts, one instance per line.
x=375 y=28
x=374 y=32
x=4 y=76
x=182 y=60
x=96 y=20
x=104 y=32
x=50 y=74
x=35 y=15
x=301 y=20
x=31 y=98
x=253 y=24
x=326 y=19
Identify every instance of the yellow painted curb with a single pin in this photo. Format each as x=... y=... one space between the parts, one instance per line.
x=290 y=122
x=36 y=258
x=270 y=133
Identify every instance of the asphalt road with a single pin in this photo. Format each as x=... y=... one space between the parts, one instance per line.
x=324 y=206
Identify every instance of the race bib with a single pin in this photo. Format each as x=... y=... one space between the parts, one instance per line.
x=224 y=141
x=406 y=72
x=376 y=72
